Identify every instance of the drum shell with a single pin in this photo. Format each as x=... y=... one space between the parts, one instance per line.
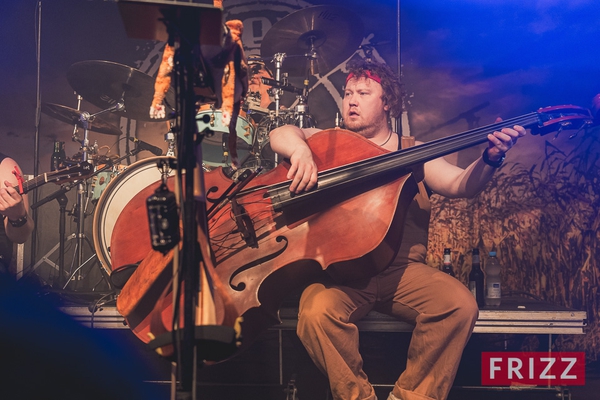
x=100 y=180
x=215 y=152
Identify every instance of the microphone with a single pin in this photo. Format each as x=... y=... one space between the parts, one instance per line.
x=287 y=88
x=157 y=151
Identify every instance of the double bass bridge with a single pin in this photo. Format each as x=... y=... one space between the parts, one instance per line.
x=244 y=224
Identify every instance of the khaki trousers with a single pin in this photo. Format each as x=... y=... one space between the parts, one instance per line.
x=441 y=308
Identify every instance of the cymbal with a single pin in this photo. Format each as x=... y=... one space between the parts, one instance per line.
x=104 y=83
x=333 y=32
x=72 y=116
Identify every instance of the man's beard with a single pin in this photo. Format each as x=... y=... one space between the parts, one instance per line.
x=362 y=128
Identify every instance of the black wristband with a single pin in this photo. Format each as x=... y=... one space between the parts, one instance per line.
x=494 y=164
x=19 y=222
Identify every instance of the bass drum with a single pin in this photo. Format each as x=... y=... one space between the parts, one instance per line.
x=120 y=229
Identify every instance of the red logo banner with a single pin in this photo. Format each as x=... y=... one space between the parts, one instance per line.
x=532 y=368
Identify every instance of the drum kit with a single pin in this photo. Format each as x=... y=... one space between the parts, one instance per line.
x=320 y=37
x=114 y=88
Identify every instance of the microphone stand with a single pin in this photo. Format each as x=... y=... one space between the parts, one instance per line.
x=190 y=256
x=60 y=196
x=185 y=28
x=183 y=23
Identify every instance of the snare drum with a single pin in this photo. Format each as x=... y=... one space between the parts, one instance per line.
x=215 y=151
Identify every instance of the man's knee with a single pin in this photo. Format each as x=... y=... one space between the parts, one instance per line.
x=310 y=319
x=466 y=307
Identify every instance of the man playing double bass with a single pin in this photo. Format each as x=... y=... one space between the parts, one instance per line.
x=440 y=307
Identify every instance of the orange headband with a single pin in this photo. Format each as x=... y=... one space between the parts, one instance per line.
x=368 y=74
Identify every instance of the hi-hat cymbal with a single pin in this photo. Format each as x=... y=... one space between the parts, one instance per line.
x=333 y=32
x=104 y=83
x=72 y=116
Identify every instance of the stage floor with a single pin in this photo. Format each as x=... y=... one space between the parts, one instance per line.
x=514 y=315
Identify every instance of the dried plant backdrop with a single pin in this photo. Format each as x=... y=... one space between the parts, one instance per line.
x=544 y=222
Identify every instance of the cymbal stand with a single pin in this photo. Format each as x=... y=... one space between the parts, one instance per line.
x=302 y=118
x=86 y=119
x=277 y=92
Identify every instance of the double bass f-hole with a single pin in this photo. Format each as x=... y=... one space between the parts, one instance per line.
x=244 y=224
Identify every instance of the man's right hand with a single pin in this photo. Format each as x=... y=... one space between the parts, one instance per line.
x=303 y=171
x=289 y=141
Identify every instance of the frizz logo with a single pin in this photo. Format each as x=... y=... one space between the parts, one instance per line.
x=514 y=368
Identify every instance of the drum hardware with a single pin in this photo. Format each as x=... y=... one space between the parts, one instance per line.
x=258 y=97
x=302 y=117
x=73 y=116
x=87 y=121
x=82 y=189
x=277 y=92
x=75 y=269
x=60 y=195
x=284 y=85
x=105 y=84
x=322 y=35
x=298 y=116
x=113 y=88
x=277 y=88
x=170 y=139
x=252 y=106
x=325 y=35
x=338 y=120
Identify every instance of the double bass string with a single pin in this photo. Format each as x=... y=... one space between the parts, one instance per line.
x=222 y=241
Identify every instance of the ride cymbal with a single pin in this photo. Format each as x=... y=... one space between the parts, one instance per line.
x=325 y=35
x=104 y=83
x=72 y=116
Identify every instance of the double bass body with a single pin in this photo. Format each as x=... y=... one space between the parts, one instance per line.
x=263 y=247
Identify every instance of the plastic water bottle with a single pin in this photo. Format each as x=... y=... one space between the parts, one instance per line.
x=476 y=279
x=493 y=293
x=447 y=262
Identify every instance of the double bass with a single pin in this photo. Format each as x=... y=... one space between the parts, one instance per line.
x=266 y=241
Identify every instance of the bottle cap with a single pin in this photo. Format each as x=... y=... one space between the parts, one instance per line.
x=492 y=254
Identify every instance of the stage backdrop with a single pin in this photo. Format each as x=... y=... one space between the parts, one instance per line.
x=464 y=63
